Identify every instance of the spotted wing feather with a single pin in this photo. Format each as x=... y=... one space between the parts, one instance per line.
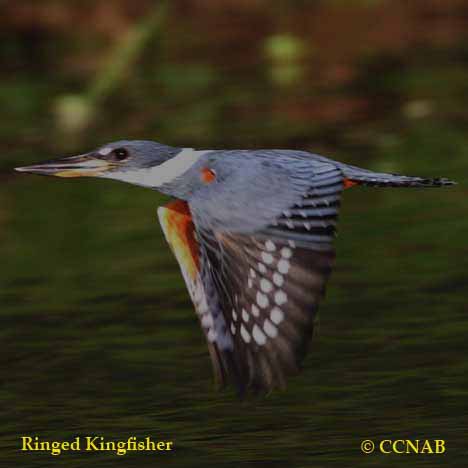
x=270 y=283
x=269 y=294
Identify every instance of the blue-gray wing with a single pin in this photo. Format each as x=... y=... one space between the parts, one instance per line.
x=270 y=280
x=253 y=188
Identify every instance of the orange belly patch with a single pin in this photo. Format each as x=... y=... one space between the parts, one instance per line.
x=176 y=222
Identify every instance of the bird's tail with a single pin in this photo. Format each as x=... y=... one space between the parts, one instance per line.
x=358 y=176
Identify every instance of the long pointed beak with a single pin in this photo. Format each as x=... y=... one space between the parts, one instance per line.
x=84 y=165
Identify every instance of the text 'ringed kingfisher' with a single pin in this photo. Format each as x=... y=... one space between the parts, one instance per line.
x=252 y=232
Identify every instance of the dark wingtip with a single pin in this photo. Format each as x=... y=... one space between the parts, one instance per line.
x=441 y=182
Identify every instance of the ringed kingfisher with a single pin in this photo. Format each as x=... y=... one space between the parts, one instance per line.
x=253 y=234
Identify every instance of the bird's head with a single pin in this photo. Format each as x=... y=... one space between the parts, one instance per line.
x=129 y=161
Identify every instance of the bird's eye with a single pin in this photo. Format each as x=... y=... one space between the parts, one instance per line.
x=120 y=154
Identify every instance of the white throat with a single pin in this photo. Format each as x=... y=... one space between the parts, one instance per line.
x=160 y=175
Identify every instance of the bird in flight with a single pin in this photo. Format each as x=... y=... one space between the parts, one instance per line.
x=253 y=234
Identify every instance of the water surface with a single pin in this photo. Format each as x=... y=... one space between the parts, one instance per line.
x=97 y=333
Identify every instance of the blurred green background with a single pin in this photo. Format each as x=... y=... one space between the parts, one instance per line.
x=97 y=333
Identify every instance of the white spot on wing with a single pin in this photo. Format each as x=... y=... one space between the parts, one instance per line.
x=261 y=268
x=255 y=310
x=245 y=334
x=280 y=297
x=283 y=266
x=270 y=246
x=270 y=329
x=286 y=252
x=207 y=320
x=276 y=315
x=245 y=315
x=258 y=335
x=262 y=300
x=278 y=279
x=267 y=258
x=265 y=285
x=212 y=335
